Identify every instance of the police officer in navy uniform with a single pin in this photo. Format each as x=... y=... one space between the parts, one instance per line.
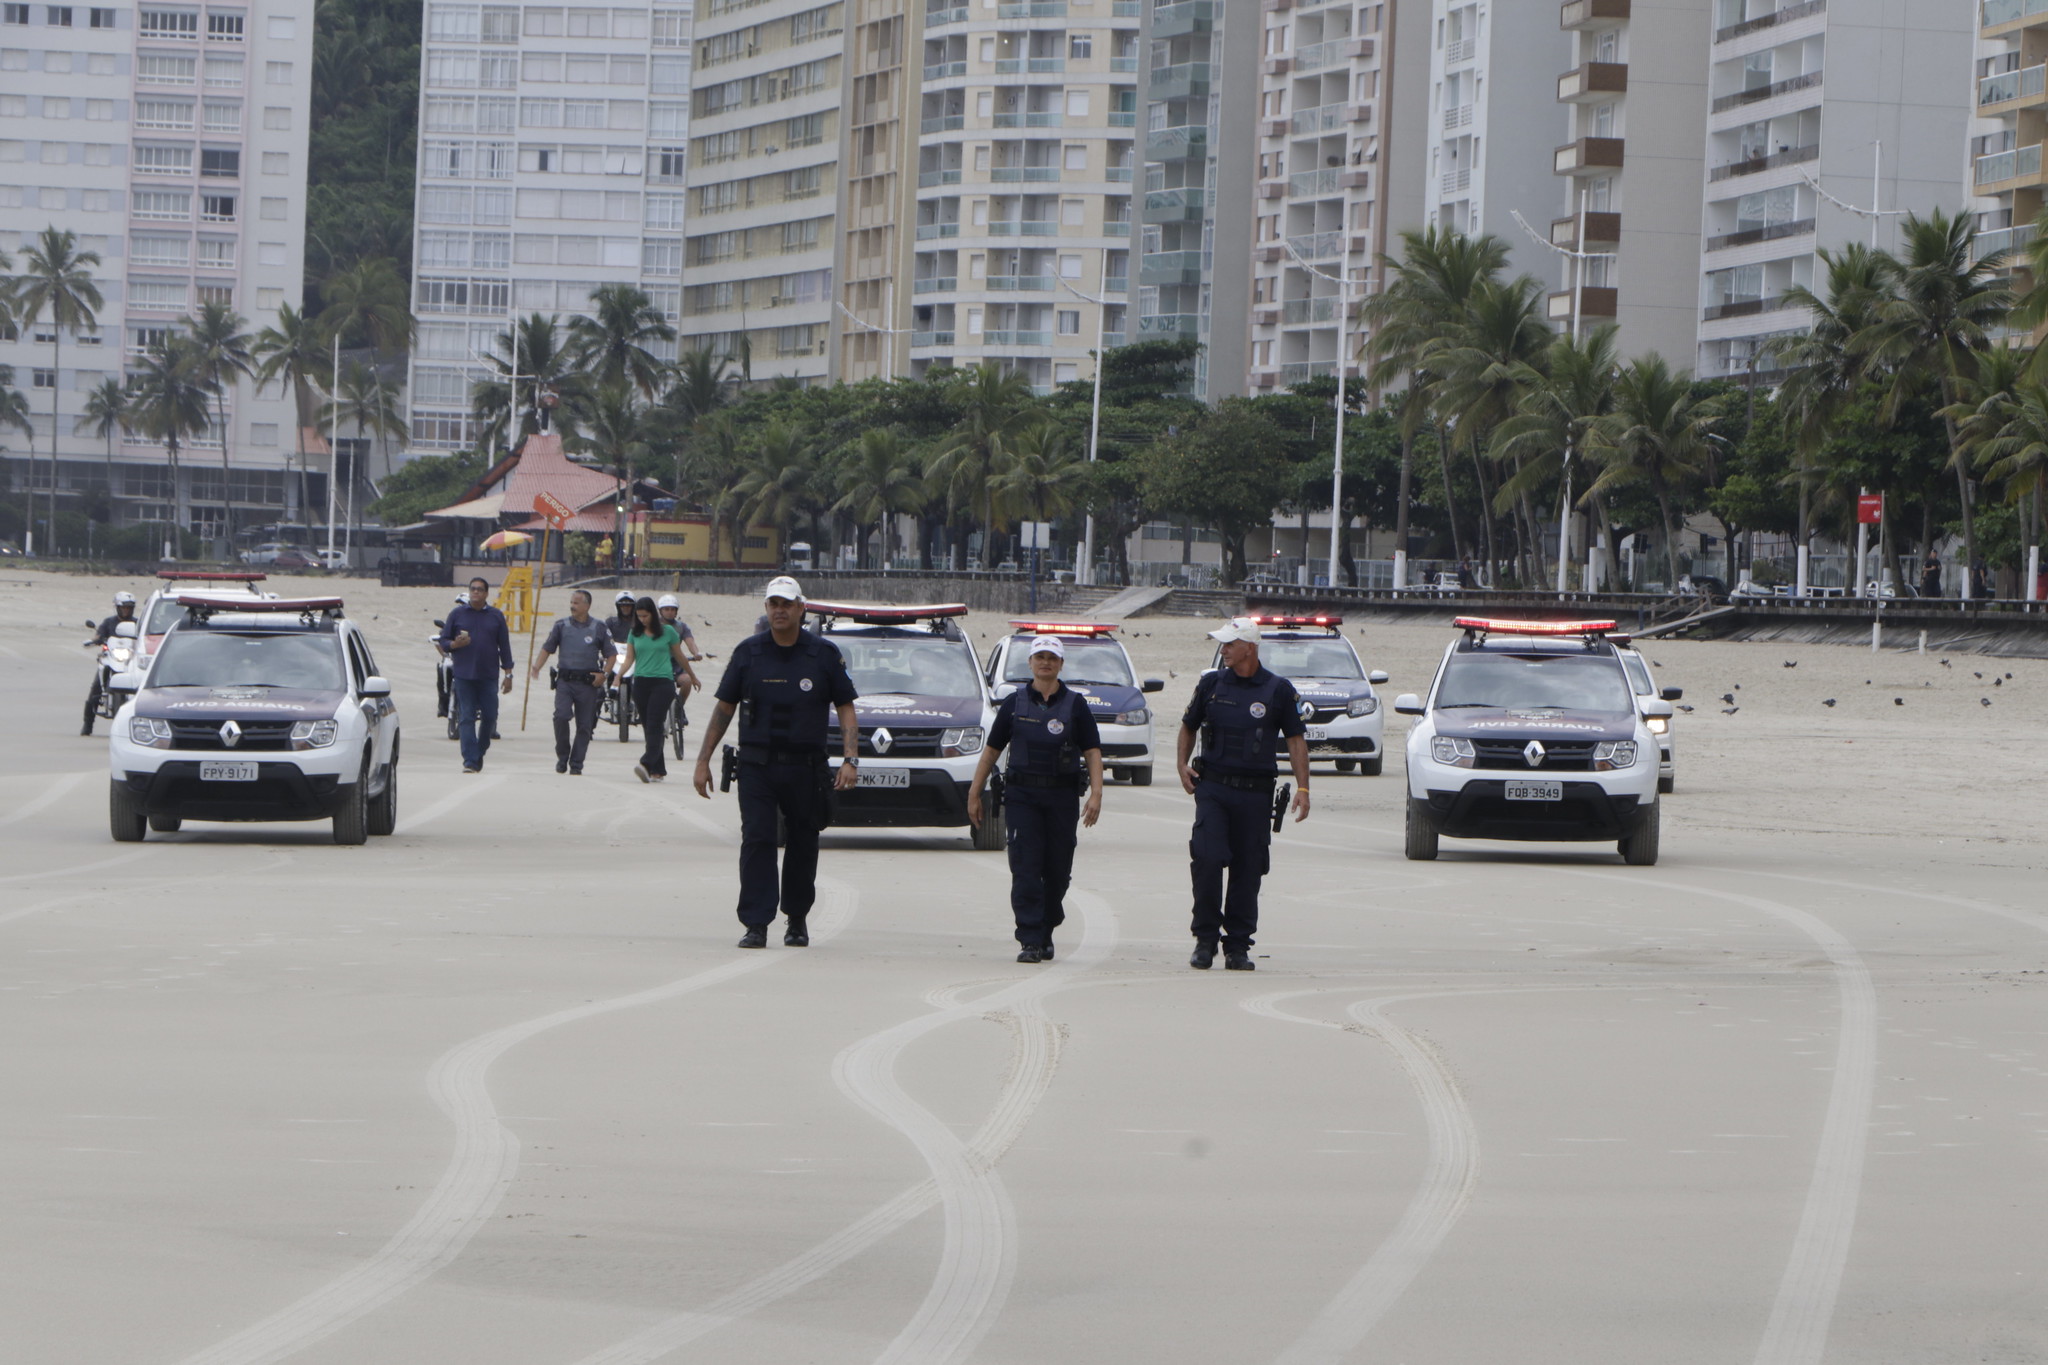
x=784 y=683
x=1050 y=735
x=1238 y=711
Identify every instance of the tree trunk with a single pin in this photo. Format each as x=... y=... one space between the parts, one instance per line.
x=1443 y=460
x=1401 y=497
x=227 y=491
x=56 y=420
x=1963 y=495
x=1670 y=534
x=1612 y=545
x=1486 y=520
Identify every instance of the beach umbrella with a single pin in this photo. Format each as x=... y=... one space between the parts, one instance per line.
x=505 y=540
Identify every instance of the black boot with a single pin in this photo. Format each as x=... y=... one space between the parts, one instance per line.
x=754 y=938
x=1238 y=960
x=1204 y=956
x=797 y=934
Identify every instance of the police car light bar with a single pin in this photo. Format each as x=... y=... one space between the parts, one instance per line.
x=205 y=604
x=206 y=576
x=1064 y=627
x=1487 y=625
x=885 y=615
x=1299 y=620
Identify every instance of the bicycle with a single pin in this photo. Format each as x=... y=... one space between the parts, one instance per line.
x=678 y=720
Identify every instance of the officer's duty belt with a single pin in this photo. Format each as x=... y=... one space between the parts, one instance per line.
x=1243 y=784
x=1056 y=780
x=768 y=753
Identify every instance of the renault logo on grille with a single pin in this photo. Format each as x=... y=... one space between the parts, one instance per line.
x=230 y=734
x=1532 y=753
x=883 y=740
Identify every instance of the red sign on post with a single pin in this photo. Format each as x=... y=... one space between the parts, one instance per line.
x=552 y=510
x=1869 y=508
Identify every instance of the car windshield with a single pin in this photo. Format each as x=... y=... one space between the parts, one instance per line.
x=926 y=668
x=206 y=658
x=1088 y=661
x=165 y=614
x=1638 y=674
x=1571 y=682
x=1310 y=658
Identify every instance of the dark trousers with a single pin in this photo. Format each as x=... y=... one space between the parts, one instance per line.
x=1234 y=830
x=793 y=789
x=92 y=701
x=476 y=712
x=652 y=698
x=1043 y=825
x=576 y=699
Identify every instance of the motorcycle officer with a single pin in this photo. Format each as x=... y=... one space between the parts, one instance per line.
x=1237 y=710
x=124 y=610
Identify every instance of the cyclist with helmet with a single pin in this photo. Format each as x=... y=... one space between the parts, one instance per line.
x=670 y=611
x=124 y=610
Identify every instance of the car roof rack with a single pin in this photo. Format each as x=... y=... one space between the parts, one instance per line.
x=1089 y=628
x=1296 y=622
x=201 y=606
x=211 y=576
x=1479 y=627
x=873 y=614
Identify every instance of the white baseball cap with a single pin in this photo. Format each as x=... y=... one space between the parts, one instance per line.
x=784 y=587
x=1049 y=644
x=668 y=599
x=1243 y=628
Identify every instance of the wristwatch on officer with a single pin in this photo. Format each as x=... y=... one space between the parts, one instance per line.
x=850 y=762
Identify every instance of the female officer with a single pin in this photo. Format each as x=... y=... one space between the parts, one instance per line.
x=1049 y=732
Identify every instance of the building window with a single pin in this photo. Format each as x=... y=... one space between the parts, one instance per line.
x=224 y=72
x=223 y=118
x=151 y=160
x=224 y=28
x=220 y=163
x=155 y=70
x=277 y=73
x=1070 y=322
x=159 y=23
x=45 y=379
x=14 y=14
x=217 y=208
x=101 y=18
x=278 y=118
x=1081 y=46
x=59 y=16
x=274 y=209
x=277 y=163
x=222 y=294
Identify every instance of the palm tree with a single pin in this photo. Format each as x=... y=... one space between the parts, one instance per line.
x=1561 y=400
x=544 y=366
x=1043 y=475
x=1929 y=329
x=223 y=349
x=106 y=411
x=703 y=384
x=367 y=305
x=1428 y=289
x=14 y=412
x=879 y=481
x=293 y=352
x=1485 y=362
x=776 y=484
x=169 y=402
x=1823 y=370
x=57 y=283
x=993 y=404
x=1652 y=437
x=710 y=468
x=366 y=402
x=612 y=342
x=2006 y=432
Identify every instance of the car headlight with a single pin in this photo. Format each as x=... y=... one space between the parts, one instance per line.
x=1612 y=754
x=150 y=734
x=1141 y=716
x=962 y=743
x=1452 y=753
x=1362 y=706
x=314 y=734
x=1657 y=725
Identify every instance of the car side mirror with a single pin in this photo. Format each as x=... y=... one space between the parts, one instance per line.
x=1408 y=704
x=1153 y=685
x=1377 y=676
x=1672 y=693
x=375 y=686
x=1657 y=708
x=126 y=630
x=124 y=682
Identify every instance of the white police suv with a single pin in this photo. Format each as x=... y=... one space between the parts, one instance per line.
x=1098 y=668
x=1532 y=730
x=1338 y=704
x=256 y=709
x=161 y=611
x=924 y=713
x=1660 y=726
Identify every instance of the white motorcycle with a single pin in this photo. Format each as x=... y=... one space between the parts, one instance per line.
x=117 y=655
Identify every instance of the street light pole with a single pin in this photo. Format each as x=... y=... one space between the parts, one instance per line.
x=1084 y=572
x=1337 y=519
x=889 y=352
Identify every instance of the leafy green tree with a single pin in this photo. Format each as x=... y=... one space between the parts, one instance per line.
x=1228 y=472
x=612 y=343
x=420 y=486
x=368 y=304
x=878 y=482
x=1561 y=399
x=361 y=137
x=994 y=405
x=369 y=403
x=293 y=352
x=545 y=366
x=168 y=402
x=56 y=286
x=1823 y=368
x=776 y=485
x=106 y=409
x=1653 y=437
x=223 y=353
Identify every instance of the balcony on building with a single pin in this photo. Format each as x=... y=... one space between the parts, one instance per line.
x=1594 y=301
x=1593 y=81
x=1765 y=14
x=1588 y=154
x=1602 y=230
x=1183 y=19
x=1177 y=144
x=1584 y=15
x=1176 y=326
x=1757 y=94
x=1996 y=242
x=1770 y=232
x=1181 y=204
x=1170 y=268
x=2008 y=92
x=1183 y=80
x=2005 y=171
x=2002 y=18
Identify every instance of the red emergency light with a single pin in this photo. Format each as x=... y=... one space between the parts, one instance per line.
x=206 y=603
x=1332 y=621
x=1490 y=626
x=209 y=576
x=872 y=615
x=1064 y=627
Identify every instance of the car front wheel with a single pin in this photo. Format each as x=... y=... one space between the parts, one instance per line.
x=352 y=820
x=1422 y=835
x=384 y=806
x=1640 y=848
x=126 y=819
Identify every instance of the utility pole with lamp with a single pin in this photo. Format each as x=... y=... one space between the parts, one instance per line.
x=1084 y=568
x=1344 y=284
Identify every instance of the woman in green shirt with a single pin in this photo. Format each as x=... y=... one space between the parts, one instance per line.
x=651 y=657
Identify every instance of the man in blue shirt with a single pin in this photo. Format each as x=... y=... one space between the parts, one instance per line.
x=478 y=640
x=1239 y=712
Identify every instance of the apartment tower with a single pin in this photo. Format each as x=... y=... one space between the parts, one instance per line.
x=552 y=147
x=2011 y=100
x=1636 y=96
x=171 y=140
x=1819 y=112
x=1494 y=126
x=1025 y=167
x=878 y=188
